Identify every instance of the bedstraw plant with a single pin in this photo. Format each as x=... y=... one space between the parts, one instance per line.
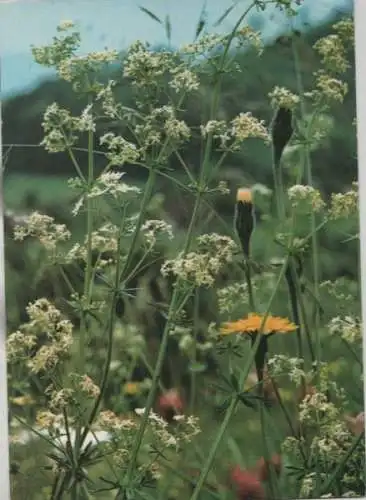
x=271 y=331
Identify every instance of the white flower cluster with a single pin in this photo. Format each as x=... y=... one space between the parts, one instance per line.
x=201 y=268
x=75 y=69
x=232 y=135
x=43 y=228
x=120 y=151
x=144 y=67
x=333 y=53
x=110 y=106
x=344 y=205
x=328 y=89
x=62 y=129
x=108 y=183
x=152 y=229
x=348 y=328
x=284 y=98
x=183 y=80
x=104 y=240
x=302 y=196
x=230 y=296
x=293 y=368
x=188 y=428
x=44 y=318
x=204 y=45
x=62 y=48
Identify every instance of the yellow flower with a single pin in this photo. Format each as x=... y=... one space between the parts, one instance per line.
x=22 y=400
x=131 y=388
x=253 y=323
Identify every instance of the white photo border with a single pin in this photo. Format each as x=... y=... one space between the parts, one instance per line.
x=360 y=58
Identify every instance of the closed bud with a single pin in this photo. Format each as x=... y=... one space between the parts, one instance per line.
x=244 y=218
x=282 y=131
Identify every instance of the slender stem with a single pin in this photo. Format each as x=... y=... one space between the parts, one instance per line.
x=286 y=415
x=161 y=354
x=111 y=324
x=230 y=411
x=308 y=168
x=196 y=302
x=89 y=266
x=248 y=277
x=145 y=200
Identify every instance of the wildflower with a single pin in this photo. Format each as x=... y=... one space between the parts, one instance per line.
x=345 y=30
x=177 y=130
x=263 y=467
x=214 y=127
x=280 y=364
x=60 y=399
x=283 y=98
x=344 y=205
x=332 y=53
x=329 y=88
x=48 y=420
x=43 y=228
x=306 y=392
x=144 y=67
x=131 y=388
x=246 y=126
x=347 y=327
x=253 y=324
x=206 y=43
x=247 y=484
x=25 y=400
x=244 y=218
x=87 y=386
x=120 y=151
x=229 y=297
x=281 y=132
x=170 y=403
x=299 y=194
x=154 y=228
x=183 y=80
x=202 y=267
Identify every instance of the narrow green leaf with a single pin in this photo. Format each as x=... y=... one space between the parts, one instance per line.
x=168 y=28
x=225 y=14
x=150 y=14
x=234 y=382
x=201 y=22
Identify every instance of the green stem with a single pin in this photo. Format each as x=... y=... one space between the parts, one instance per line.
x=145 y=200
x=308 y=168
x=88 y=271
x=111 y=323
x=248 y=277
x=196 y=302
x=230 y=411
x=161 y=353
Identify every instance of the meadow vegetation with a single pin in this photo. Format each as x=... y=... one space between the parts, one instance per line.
x=187 y=324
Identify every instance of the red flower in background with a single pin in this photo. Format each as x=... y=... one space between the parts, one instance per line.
x=246 y=484
x=170 y=404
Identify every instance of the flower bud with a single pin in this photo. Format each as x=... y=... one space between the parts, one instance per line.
x=281 y=132
x=244 y=218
